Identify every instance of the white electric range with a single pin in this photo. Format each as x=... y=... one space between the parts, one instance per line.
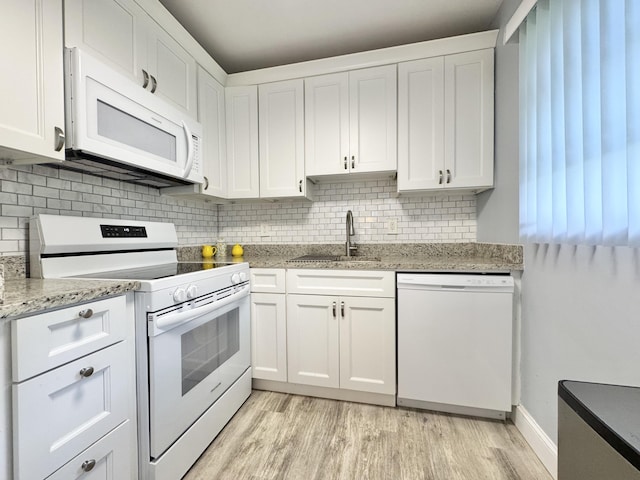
x=192 y=328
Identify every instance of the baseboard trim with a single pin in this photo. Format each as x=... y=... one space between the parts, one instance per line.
x=537 y=439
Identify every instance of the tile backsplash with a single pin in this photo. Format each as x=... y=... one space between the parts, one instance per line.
x=27 y=190
x=375 y=206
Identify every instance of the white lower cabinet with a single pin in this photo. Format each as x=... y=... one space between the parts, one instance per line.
x=107 y=459
x=74 y=416
x=268 y=324
x=342 y=341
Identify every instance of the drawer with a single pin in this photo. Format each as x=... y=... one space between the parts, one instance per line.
x=47 y=340
x=110 y=458
x=356 y=283
x=268 y=280
x=57 y=414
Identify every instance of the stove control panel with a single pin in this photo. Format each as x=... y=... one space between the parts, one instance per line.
x=180 y=295
x=123 y=231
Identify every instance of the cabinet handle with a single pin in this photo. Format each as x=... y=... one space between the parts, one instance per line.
x=86 y=372
x=88 y=465
x=88 y=313
x=345 y=163
x=440 y=178
x=300 y=186
x=145 y=79
x=342 y=309
x=154 y=84
x=448 y=176
x=334 y=309
x=59 y=138
x=353 y=161
x=206 y=183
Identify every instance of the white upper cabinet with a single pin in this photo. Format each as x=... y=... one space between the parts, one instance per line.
x=121 y=34
x=32 y=112
x=281 y=137
x=445 y=122
x=350 y=122
x=211 y=114
x=241 y=105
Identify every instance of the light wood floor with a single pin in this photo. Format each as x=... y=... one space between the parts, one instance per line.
x=279 y=436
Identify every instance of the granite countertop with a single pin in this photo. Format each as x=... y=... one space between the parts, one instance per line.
x=611 y=410
x=24 y=295
x=28 y=295
x=439 y=257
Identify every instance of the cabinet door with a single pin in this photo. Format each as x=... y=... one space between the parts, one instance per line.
x=421 y=124
x=114 y=31
x=368 y=344
x=212 y=117
x=32 y=112
x=312 y=340
x=107 y=459
x=373 y=122
x=468 y=119
x=173 y=70
x=269 y=336
x=327 y=124
x=241 y=105
x=281 y=134
x=77 y=408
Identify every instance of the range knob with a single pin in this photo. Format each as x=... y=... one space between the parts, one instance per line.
x=243 y=277
x=180 y=295
x=192 y=291
x=235 y=279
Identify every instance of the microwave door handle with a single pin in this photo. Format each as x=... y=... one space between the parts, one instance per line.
x=187 y=168
x=173 y=320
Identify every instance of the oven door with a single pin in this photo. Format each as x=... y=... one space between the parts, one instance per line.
x=192 y=362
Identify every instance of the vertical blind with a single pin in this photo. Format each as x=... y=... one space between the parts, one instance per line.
x=580 y=122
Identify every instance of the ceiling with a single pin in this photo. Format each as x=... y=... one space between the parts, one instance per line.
x=246 y=35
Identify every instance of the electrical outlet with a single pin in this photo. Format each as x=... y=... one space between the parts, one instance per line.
x=392 y=226
x=264 y=230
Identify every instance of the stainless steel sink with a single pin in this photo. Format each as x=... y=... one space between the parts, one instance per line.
x=316 y=258
x=333 y=258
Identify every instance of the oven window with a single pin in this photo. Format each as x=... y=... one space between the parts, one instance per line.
x=207 y=347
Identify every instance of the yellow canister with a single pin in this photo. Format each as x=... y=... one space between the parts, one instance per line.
x=237 y=250
x=208 y=251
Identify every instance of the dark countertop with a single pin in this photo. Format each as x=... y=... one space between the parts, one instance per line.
x=27 y=295
x=611 y=410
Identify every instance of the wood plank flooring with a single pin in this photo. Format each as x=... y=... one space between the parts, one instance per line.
x=280 y=436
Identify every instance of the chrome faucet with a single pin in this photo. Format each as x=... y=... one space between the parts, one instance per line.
x=351 y=247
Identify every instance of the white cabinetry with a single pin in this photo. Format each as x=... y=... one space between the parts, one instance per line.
x=268 y=324
x=445 y=122
x=121 y=34
x=212 y=117
x=350 y=122
x=32 y=112
x=73 y=372
x=341 y=329
x=281 y=132
x=241 y=106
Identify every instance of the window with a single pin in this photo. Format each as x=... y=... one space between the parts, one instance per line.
x=580 y=123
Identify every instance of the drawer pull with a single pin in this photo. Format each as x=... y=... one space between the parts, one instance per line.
x=86 y=313
x=334 y=309
x=86 y=372
x=88 y=465
x=342 y=309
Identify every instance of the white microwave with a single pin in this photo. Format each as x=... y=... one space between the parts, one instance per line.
x=117 y=129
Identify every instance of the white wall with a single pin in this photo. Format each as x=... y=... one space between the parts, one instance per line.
x=581 y=321
x=498 y=208
x=580 y=305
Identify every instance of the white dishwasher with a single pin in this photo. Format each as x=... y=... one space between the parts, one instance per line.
x=455 y=342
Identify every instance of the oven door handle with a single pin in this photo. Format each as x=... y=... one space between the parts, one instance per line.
x=173 y=320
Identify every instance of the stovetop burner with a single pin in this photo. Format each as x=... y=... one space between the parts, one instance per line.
x=155 y=272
